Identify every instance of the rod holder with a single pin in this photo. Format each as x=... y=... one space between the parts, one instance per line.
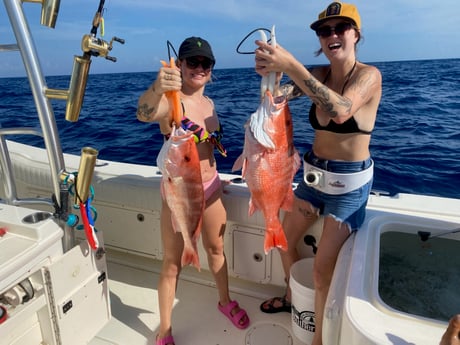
x=50 y=10
x=76 y=92
x=85 y=173
x=91 y=46
x=57 y=93
x=77 y=87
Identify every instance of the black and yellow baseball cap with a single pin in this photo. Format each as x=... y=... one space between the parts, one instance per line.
x=338 y=9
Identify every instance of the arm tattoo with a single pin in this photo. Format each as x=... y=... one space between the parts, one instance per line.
x=144 y=112
x=321 y=96
x=290 y=90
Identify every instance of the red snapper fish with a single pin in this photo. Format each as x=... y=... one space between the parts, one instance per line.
x=269 y=163
x=182 y=188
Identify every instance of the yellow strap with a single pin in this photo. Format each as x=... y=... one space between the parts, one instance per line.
x=102 y=26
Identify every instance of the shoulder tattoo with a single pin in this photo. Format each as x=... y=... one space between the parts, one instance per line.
x=363 y=84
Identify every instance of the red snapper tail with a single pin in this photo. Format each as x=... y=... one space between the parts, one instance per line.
x=190 y=257
x=275 y=237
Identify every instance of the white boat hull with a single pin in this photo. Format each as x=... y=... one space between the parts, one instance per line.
x=127 y=199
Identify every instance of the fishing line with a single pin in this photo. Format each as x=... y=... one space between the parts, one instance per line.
x=170 y=46
x=247 y=36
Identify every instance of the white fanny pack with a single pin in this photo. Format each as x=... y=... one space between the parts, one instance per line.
x=335 y=183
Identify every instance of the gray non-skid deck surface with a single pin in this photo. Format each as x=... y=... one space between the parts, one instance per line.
x=196 y=319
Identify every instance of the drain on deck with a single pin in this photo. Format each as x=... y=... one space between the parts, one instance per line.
x=268 y=333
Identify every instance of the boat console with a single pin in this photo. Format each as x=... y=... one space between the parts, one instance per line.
x=43 y=291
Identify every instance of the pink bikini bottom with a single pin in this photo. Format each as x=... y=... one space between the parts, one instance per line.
x=211 y=186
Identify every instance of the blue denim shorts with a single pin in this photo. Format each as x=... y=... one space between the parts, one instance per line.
x=350 y=207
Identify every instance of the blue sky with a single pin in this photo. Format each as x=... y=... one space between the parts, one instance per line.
x=392 y=30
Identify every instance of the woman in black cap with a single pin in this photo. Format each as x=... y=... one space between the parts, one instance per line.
x=193 y=72
x=338 y=171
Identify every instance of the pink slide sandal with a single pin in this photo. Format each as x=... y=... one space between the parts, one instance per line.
x=165 y=341
x=238 y=317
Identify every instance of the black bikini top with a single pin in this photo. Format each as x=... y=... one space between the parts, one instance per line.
x=349 y=126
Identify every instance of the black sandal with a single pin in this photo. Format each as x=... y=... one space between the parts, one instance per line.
x=269 y=305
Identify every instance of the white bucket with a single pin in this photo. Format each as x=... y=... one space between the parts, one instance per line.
x=303 y=300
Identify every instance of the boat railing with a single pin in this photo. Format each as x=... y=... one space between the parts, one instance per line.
x=25 y=46
x=9 y=185
x=48 y=130
x=91 y=46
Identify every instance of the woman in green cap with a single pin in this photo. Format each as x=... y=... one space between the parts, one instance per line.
x=190 y=77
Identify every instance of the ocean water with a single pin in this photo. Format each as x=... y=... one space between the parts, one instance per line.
x=415 y=144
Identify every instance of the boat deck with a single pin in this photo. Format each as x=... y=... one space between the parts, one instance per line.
x=196 y=319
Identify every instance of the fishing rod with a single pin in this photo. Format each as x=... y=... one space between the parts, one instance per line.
x=97 y=18
x=93 y=46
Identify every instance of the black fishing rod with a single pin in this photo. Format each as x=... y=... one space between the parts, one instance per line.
x=97 y=18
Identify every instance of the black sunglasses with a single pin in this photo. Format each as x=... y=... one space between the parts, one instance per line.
x=194 y=62
x=339 y=29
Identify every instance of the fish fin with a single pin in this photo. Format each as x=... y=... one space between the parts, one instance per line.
x=281 y=241
x=296 y=162
x=252 y=207
x=238 y=164
x=275 y=237
x=269 y=242
x=175 y=224
x=244 y=168
x=241 y=163
x=196 y=234
x=190 y=257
